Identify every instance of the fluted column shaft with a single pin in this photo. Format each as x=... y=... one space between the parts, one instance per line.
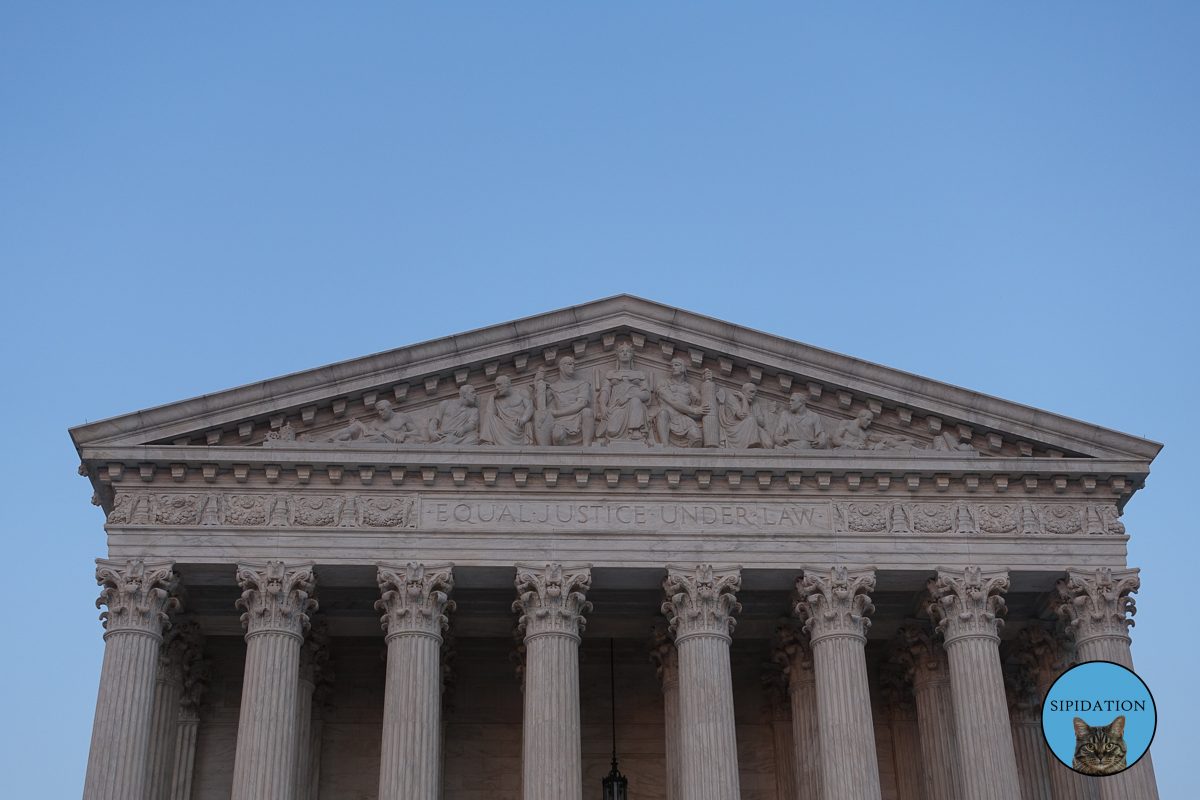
x=185 y=757
x=906 y=756
x=1095 y=605
x=708 y=737
x=1033 y=771
x=168 y=688
x=138 y=597
x=834 y=604
x=700 y=604
x=785 y=755
x=415 y=598
x=551 y=601
x=939 y=750
x=304 y=695
x=806 y=737
x=277 y=603
x=965 y=606
x=665 y=657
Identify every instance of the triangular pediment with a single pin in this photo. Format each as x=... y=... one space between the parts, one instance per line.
x=909 y=414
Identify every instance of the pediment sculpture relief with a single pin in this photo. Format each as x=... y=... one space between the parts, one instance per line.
x=628 y=403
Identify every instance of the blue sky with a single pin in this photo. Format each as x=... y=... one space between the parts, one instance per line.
x=197 y=196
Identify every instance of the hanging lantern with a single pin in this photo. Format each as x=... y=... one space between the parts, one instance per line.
x=616 y=787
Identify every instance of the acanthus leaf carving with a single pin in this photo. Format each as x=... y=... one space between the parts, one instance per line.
x=663 y=653
x=415 y=598
x=701 y=601
x=835 y=602
x=552 y=599
x=1098 y=604
x=969 y=605
x=182 y=646
x=922 y=657
x=1044 y=654
x=791 y=651
x=276 y=598
x=139 y=595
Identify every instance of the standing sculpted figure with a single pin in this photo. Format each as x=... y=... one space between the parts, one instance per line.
x=743 y=421
x=623 y=399
x=507 y=415
x=799 y=427
x=390 y=427
x=563 y=409
x=457 y=420
x=681 y=407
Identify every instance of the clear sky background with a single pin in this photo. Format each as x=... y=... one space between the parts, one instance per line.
x=1003 y=196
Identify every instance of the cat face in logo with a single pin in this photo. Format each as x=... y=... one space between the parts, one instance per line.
x=1099 y=750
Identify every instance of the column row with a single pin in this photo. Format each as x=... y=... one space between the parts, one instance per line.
x=958 y=724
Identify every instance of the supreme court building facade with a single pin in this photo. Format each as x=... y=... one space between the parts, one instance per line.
x=400 y=576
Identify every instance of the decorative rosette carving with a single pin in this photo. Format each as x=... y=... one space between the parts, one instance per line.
x=836 y=604
x=701 y=601
x=970 y=605
x=663 y=654
x=415 y=598
x=921 y=655
x=552 y=599
x=139 y=595
x=276 y=598
x=1097 y=604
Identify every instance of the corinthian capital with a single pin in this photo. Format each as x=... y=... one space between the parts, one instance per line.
x=1095 y=603
x=182 y=645
x=276 y=599
x=922 y=657
x=139 y=595
x=835 y=603
x=415 y=598
x=701 y=601
x=552 y=599
x=969 y=605
x=663 y=654
x=791 y=651
x=1044 y=655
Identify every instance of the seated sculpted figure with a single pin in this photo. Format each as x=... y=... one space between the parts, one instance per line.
x=563 y=409
x=799 y=427
x=621 y=413
x=457 y=420
x=743 y=421
x=390 y=427
x=680 y=407
x=949 y=442
x=507 y=415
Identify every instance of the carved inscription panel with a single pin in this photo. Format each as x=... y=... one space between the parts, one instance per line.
x=557 y=516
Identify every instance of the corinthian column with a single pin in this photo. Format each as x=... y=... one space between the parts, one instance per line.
x=965 y=608
x=1024 y=711
x=700 y=604
x=901 y=711
x=793 y=653
x=928 y=669
x=138 y=596
x=551 y=602
x=1096 y=608
x=277 y=602
x=834 y=607
x=187 y=729
x=1044 y=655
x=415 y=599
x=666 y=658
x=181 y=646
x=313 y=654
